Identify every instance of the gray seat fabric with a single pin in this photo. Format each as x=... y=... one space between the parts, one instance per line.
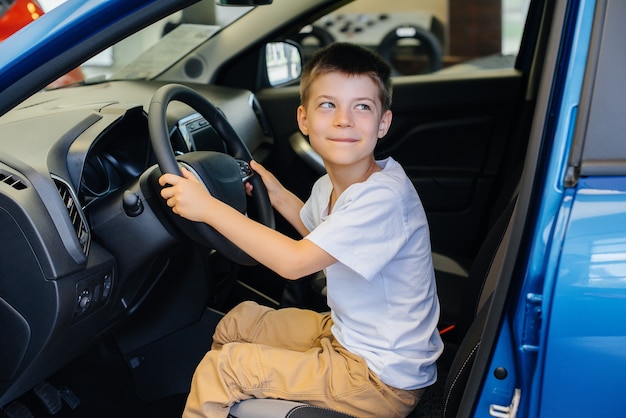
x=464 y=297
x=486 y=268
x=274 y=408
x=462 y=365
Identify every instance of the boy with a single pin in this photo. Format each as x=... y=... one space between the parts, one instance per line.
x=365 y=225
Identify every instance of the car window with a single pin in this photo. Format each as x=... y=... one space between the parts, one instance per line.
x=414 y=37
x=426 y=36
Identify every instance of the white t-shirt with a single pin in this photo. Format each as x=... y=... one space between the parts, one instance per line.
x=382 y=291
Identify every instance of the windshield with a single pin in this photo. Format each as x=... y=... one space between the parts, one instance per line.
x=151 y=51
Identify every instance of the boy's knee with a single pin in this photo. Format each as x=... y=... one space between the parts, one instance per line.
x=245 y=315
x=245 y=308
x=239 y=323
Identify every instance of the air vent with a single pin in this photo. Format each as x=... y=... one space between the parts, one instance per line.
x=75 y=213
x=12 y=181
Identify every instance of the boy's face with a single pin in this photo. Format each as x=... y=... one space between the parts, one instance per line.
x=344 y=118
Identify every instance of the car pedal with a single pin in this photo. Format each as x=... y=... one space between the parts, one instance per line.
x=49 y=396
x=16 y=410
x=71 y=399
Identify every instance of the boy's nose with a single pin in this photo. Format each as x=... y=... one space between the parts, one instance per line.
x=343 y=118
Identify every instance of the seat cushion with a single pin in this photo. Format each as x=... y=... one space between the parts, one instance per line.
x=276 y=408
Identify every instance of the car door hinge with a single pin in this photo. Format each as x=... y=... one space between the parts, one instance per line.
x=532 y=322
x=509 y=411
x=571 y=176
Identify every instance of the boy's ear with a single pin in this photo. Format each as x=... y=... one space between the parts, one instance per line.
x=385 y=123
x=302 y=120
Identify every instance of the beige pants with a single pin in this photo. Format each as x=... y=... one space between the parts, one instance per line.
x=290 y=353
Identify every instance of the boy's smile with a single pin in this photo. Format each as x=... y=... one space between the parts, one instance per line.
x=344 y=119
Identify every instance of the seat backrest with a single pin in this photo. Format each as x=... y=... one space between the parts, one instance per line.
x=462 y=365
x=482 y=277
x=485 y=271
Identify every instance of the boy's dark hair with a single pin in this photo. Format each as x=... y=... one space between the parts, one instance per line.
x=348 y=59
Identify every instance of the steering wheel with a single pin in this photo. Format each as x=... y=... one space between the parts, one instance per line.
x=429 y=49
x=321 y=35
x=318 y=34
x=222 y=174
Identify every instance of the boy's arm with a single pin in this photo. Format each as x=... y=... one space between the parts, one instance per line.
x=289 y=258
x=283 y=200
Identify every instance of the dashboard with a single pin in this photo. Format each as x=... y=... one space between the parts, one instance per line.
x=117 y=160
x=68 y=159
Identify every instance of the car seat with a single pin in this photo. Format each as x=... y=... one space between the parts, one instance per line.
x=459 y=372
x=275 y=408
x=480 y=285
x=464 y=296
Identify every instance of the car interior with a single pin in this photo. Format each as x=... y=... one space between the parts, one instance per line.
x=108 y=300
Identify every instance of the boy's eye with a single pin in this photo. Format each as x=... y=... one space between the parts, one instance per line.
x=363 y=106
x=327 y=105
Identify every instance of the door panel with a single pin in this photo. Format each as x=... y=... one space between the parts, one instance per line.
x=451 y=136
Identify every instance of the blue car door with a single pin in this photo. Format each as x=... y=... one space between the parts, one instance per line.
x=555 y=337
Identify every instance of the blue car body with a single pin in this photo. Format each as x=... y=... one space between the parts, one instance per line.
x=565 y=336
x=557 y=331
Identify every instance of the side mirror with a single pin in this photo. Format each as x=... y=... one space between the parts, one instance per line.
x=283 y=62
